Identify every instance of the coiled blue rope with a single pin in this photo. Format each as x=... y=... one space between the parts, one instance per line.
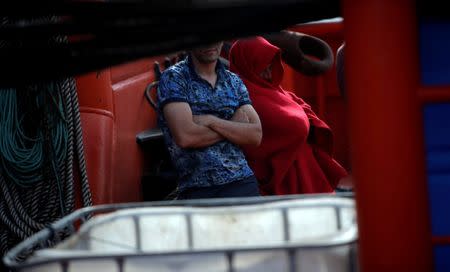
x=24 y=153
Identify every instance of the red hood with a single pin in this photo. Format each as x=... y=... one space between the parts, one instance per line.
x=249 y=57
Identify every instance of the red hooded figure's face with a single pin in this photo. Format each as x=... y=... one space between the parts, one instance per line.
x=257 y=61
x=267 y=73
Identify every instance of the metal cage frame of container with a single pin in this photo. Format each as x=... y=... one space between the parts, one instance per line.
x=63 y=228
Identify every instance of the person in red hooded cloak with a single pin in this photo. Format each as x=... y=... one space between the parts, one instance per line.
x=295 y=155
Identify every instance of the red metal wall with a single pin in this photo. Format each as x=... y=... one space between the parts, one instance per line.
x=322 y=91
x=113 y=110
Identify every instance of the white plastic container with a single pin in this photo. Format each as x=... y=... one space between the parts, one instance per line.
x=317 y=234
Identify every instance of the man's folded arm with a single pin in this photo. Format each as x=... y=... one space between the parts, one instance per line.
x=185 y=132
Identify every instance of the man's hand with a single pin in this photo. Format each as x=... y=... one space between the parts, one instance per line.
x=240 y=116
x=247 y=131
x=345 y=184
x=203 y=120
x=244 y=128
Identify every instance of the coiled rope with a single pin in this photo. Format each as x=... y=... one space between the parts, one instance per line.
x=40 y=141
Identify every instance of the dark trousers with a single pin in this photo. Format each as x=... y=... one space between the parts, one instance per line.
x=239 y=188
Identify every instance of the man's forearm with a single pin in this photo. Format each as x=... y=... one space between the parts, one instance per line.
x=186 y=132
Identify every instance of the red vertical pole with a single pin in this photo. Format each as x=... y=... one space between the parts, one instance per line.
x=382 y=72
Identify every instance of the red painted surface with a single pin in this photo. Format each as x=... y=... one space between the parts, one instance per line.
x=330 y=29
x=322 y=92
x=321 y=96
x=97 y=118
x=133 y=114
x=98 y=148
x=127 y=70
x=113 y=110
x=434 y=94
x=94 y=90
x=387 y=135
x=441 y=240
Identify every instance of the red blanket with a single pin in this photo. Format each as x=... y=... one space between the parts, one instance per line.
x=295 y=153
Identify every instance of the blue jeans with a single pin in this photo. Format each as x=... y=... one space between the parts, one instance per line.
x=239 y=188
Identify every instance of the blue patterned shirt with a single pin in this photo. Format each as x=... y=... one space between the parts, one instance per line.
x=222 y=162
